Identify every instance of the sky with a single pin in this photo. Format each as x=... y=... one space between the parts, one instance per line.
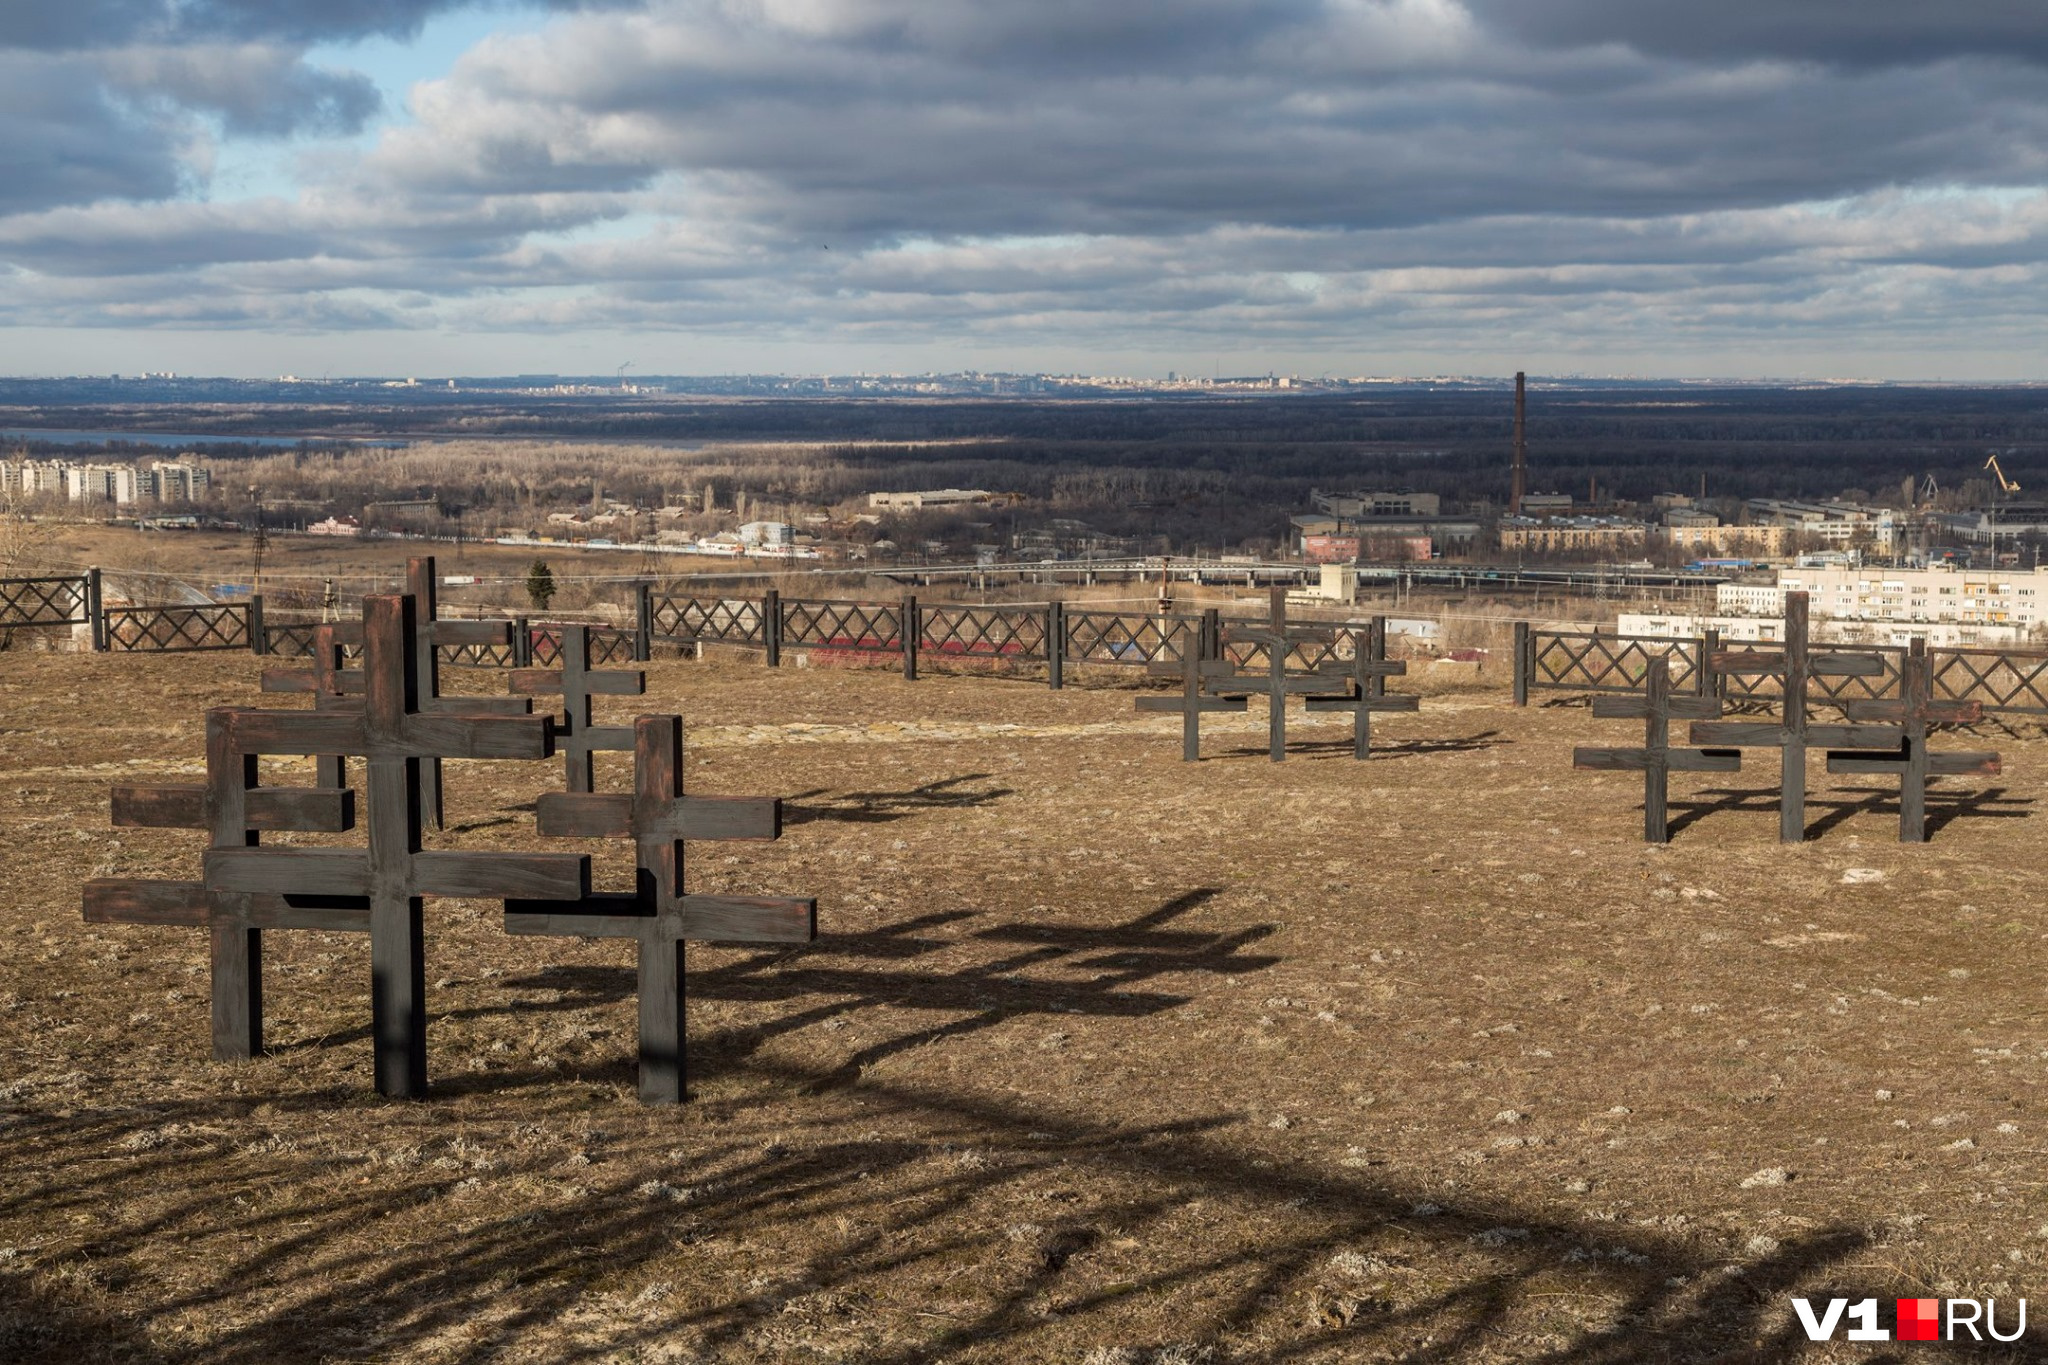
x=1828 y=189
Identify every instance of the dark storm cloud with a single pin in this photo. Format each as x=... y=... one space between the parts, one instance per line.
x=67 y=141
x=1848 y=32
x=83 y=25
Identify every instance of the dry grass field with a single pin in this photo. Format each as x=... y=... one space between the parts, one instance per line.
x=1099 y=1057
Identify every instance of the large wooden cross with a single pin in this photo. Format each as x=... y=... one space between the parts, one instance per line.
x=577 y=737
x=1657 y=760
x=1915 y=710
x=1279 y=639
x=1366 y=679
x=233 y=809
x=658 y=915
x=1793 y=733
x=337 y=688
x=1192 y=670
x=395 y=734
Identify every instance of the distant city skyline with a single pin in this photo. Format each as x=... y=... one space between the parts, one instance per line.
x=1307 y=187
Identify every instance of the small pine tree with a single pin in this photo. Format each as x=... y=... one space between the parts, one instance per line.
x=540 y=584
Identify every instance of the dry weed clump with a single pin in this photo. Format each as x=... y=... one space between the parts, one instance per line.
x=1099 y=1055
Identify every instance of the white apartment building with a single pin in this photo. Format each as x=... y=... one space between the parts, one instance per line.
x=121 y=484
x=1945 y=606
x=114 y=483
x=180 y=481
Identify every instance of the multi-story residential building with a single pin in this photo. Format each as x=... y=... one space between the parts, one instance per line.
x=179 y=481
x=1759 y=541
x=115 y=483
x=1945 y=606
x=1553 y=535
x=1986 y=597
x=121 y=484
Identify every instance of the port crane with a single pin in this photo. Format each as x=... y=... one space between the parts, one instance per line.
x=2005 y=485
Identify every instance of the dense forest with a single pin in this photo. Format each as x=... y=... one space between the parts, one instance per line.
x=1199 y=471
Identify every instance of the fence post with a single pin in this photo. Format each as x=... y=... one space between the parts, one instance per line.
x=910 y=626
x=522 y=643
x=643 y=622
x=1524 y=660
x=1209 y=642
x=771 y=627
x=96 y=609
x=1703 y=678
x=259 y=643
x=1055 y=646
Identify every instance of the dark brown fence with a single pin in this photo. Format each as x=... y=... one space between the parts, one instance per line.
x=176 y=629
x=48 y=601
x=2005 y=680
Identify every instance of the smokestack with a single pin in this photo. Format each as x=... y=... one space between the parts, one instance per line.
x=1521 y=484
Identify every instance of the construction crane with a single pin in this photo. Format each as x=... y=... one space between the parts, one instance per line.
x=2005 y=485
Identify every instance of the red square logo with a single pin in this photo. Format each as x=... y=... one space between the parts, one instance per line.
x=1919 y=1319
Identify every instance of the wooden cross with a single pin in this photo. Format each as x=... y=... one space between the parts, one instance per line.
x=577 y=682
x=1657 y=760
x=332 y=685
x=1366 y=676
x=1278 y=639
x=336 y=688
x=232 y=807
x=394 y=733
x=1915 y=710
x=1192 y=670
x=658 y=914
x=1793 y=733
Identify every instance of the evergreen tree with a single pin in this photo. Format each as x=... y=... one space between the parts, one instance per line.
x=540 y=584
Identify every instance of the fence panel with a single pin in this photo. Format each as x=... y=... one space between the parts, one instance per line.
x=45 y=602
x=177 y=629
x=1303 y=656
x=952 y=632
x=1104 y=637
x=1587 y=661
x=843 y=627
x=706 y=620
x=608 y=645
x=2002 y=679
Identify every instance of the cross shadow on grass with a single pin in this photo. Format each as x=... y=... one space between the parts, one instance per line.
x=1943 y=807
x=873 y=808
x=1048 y=969
x=1077 y=1230
x=1402 y=748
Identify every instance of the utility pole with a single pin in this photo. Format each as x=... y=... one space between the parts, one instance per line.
x=260 y=542
x=1521 y=472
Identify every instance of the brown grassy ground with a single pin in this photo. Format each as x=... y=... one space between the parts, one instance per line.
x=1100 y=1057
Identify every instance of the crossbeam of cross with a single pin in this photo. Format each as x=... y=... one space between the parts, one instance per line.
x=1656 y=759
x=577 y=736
x=658 y=914
x=1914 y=712
x=394 y=734
x=233 y=809
x=1366 y=677
x=1793 y=733
x=1193 y=671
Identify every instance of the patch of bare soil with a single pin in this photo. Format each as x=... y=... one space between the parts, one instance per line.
x=1099 y=1057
